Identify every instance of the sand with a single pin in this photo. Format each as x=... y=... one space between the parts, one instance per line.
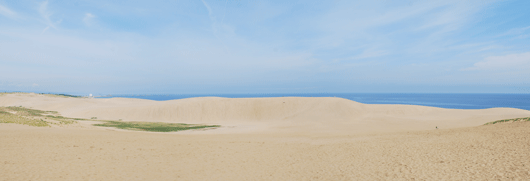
x=266 y=139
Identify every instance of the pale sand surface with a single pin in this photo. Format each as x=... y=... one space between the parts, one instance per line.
x=266 y=139
x=308 y=116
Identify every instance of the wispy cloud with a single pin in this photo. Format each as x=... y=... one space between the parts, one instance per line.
x=89 y=19
x=424 y=15
x=515 y=31
x=369 y=53
x=7 y=12
x=219 y=42
x=219 y=29
x=412 y=29
x=506 y=62
x=210 y=12
x=46 y=15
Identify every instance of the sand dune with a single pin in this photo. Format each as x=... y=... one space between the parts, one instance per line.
x=266 y=139
x=284 y=114
x=492 y=152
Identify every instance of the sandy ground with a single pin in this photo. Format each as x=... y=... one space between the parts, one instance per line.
x=289 y=115
x=267 y=139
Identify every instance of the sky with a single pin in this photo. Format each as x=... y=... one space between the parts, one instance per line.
x=242 y=46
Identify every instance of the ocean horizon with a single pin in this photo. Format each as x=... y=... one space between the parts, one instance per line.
x=441 y=100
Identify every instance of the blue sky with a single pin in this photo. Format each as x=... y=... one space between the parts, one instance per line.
x=240 y=46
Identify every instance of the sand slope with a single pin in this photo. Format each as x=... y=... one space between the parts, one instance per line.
x=492 y=152
x=266 y=139
x=284 y=114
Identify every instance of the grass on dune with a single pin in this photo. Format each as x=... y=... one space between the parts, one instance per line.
x=62 y=95
x=32 y=117
x=63 y=120
x=153 y=126
x=47 y=94
x=22 y=111
x=7 y=117
x=509 y=120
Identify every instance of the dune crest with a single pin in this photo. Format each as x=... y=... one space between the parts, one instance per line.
x=281 y=114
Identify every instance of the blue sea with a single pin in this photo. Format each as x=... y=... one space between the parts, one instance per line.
x=452 y=101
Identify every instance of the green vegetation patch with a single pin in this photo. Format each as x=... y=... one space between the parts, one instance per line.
x=62 y=95
x=63 y=120
x=154 y=126
x=49 y=94
x=22 y=111
x=22 y=115
x=33 y=117
x=509 y=120
x=7 y=117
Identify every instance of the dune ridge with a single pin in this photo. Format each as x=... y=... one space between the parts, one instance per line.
x=280 y=114
x=266 y=139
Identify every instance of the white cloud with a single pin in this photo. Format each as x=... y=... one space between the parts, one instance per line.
x=512 y=61
x=222 y=31
x=364 y=55
x=89 y=19
x=43 y=11
x=267 y=41
x=45 y=14
x=210 y=13
x=375 y=25
x=7 y=12
x=523 y=36
x=366 y=16
x=515 y=31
